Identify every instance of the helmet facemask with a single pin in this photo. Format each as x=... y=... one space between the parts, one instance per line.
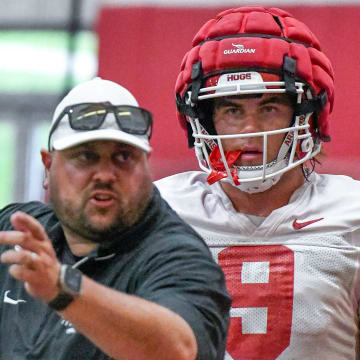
x=297 y=147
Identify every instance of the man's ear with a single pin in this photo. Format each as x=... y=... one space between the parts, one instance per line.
x=46 y=159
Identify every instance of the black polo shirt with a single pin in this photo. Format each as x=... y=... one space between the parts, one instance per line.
x=160 y=259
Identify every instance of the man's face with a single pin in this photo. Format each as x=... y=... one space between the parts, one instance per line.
x=99 y=188
x=241 y=115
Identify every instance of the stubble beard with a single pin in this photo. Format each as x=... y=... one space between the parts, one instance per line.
x=77 y=220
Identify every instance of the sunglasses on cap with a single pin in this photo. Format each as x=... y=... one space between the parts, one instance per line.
x=90 y=116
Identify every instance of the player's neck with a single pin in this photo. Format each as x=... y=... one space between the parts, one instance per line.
x=263 y=203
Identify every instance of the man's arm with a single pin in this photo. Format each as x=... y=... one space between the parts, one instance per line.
x=122 y=325
x=128 y=327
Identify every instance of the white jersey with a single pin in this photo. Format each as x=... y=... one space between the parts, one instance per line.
x=294 y=278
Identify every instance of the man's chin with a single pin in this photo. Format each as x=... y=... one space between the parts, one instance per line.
x=100 y=232
x=101 y=224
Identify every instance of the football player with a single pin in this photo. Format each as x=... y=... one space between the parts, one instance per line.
x=254 y=95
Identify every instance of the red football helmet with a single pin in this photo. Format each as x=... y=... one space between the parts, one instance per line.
x=255 y=50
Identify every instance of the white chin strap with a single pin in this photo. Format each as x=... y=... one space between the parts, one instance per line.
x=256 y=186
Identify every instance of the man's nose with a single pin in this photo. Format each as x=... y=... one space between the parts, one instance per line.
x=250 y=124
x=105 y=171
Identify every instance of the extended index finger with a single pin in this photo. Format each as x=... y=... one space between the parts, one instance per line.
x=26 y=223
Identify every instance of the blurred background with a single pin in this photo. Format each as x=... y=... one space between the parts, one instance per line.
x=47 y=47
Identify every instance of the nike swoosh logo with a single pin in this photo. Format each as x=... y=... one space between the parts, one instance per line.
x=11 y=301
x=299 y=225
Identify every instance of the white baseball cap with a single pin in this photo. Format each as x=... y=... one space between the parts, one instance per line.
x=96 y=90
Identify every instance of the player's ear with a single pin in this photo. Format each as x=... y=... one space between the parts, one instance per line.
x=46 y=159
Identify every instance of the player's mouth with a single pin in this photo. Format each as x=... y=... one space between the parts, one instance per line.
x=250 y=156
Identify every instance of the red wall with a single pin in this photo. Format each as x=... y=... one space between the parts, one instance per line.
x=141 y=48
